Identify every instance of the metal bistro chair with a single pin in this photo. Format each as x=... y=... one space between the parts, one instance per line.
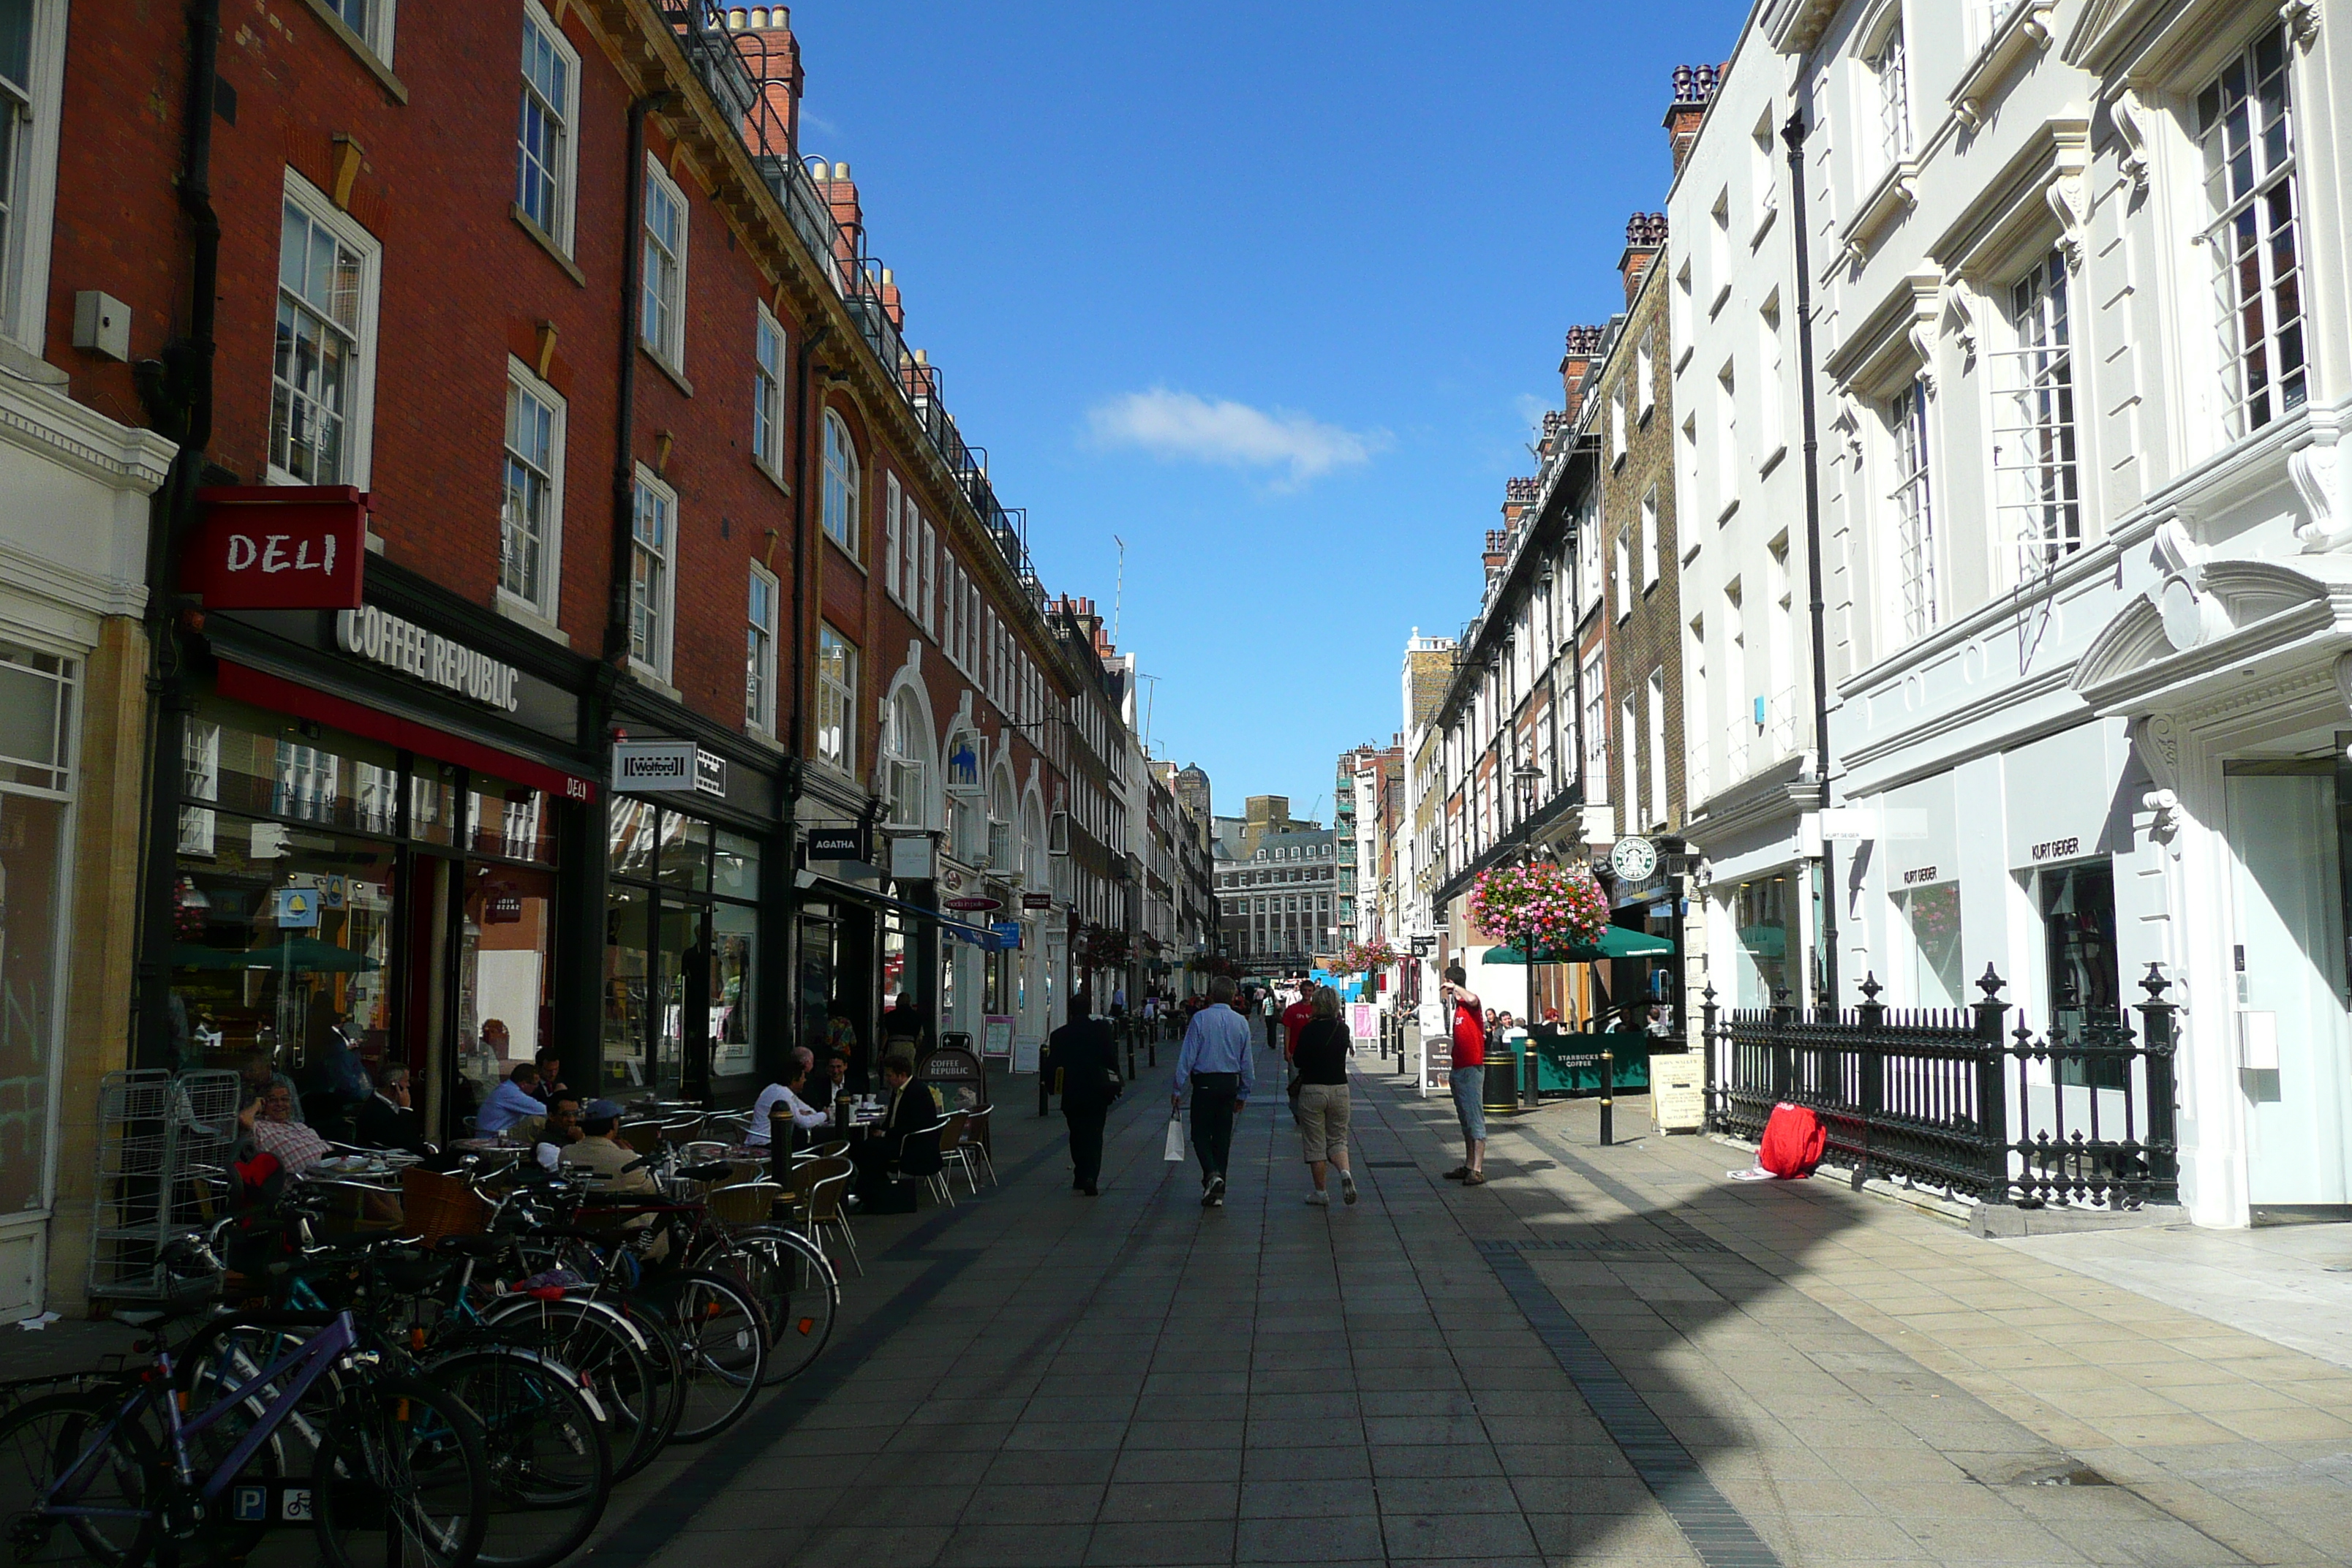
x=921 y=1159
x=684 y=1130
x=744 y=1202
x=824 y=1210
x=831 y=1149
x=953 y=1157
x=645 y=1137
x=974 y=1148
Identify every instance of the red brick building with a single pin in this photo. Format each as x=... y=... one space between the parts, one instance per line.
x=646 y=457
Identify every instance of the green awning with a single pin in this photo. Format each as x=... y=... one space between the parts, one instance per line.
x=1616 y=942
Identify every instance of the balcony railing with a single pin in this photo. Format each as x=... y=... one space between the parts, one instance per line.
x=736 y=67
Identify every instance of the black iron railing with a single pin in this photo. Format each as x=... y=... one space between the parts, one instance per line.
x=1955 y=1100
x=737 y=65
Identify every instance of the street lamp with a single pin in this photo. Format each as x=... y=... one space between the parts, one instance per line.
x=1527 y=777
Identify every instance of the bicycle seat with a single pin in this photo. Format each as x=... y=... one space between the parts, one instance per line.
x=473 y=1245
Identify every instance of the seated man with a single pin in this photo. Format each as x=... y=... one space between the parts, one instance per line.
x=269 y=1122
x=604 y=1156
x=780 y=1100
x=513 y=1100
x=559 y=1132
x=550 y=1063
x=912 y=1112
x=386 y=1119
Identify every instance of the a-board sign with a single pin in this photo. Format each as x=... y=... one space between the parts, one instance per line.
x=996 y=1037
x=1678 y=1092
x=1436 y=1063
x=960 y=1082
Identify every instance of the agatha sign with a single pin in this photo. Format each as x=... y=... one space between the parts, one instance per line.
x=279 y=547
x=403 y=645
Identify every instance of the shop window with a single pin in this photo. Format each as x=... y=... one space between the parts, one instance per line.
x=685 y=853
x=37 y=711
x=327 y=272
x=433 y=815
x=1932 y=915
x=546 y=153
x=734 y=961
x=1764 y=912
x=509 y=821
x=505 y=979
x=2078 y=935
x=630 y=826
x=199 y=780
x=661 y=324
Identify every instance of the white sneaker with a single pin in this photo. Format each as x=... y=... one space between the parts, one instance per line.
x=1320 y=1200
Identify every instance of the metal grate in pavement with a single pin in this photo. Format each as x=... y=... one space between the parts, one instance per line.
x=1719 y=1532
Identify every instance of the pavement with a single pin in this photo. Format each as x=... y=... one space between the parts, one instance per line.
x=1604 y=1355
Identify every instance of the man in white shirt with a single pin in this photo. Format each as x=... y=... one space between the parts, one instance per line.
x=781 y=1099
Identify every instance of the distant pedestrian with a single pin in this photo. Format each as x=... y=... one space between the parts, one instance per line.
x=1468 y=1080
x=1215 y=1061
x=1083 y=1054
x=1320 y=1055
x=1272 y=1010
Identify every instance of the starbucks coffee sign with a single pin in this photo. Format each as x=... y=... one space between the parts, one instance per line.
x=427 y=656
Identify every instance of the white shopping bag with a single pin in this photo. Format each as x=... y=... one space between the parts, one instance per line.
x=1175 y=1154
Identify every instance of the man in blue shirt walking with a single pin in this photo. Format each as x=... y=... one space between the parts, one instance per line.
x=1216 y=1061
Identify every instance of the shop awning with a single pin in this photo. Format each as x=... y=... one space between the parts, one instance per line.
x=962 y=931
x=1616 y=942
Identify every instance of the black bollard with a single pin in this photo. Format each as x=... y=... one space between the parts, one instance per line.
x=1608 y=1097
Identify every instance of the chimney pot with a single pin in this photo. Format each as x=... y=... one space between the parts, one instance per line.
x=841 y=171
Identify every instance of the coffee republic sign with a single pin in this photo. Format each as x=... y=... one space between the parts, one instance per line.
x=403 y=645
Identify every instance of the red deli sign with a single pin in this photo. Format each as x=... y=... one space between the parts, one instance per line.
x=277 y=547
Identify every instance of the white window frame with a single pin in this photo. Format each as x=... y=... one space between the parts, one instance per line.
x=2036 y=432
x=760 y=651
x=770 y=347
x=375 y=30
x=542 y=606
x=1650 y=551
x=1890 y=70
x=359 y=407
x=927 y=597
x=894 y=497
x=670 y=346
x=843 y=473
x=30 y=187
x=1656 y=700
x=2243 y=229
x=837 y=699
x=563 y=168
x=1621 y=579
x=1911 y=510
x=649 y=487
x=1645 y=377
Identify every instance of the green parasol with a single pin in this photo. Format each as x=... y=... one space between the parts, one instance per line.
x=1616 y=942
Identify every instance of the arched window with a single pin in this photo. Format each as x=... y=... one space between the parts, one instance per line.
x=840 y=509
x=907 y=749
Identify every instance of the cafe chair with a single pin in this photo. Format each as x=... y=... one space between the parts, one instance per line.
x=952 y=1155
x=831 y=1149
x=976 y=1142
x=824 y=1211
x=731 y=1128
x=745 y=1203
x=920 y=1160
x=645 y=1137
x=685 y=1129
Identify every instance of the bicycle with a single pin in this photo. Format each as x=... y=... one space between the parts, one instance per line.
x=398 y=1463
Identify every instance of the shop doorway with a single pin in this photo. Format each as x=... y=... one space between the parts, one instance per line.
x=2288 y=958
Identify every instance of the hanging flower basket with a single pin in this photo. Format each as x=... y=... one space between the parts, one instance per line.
x=1539 y=906
x=1363 y=957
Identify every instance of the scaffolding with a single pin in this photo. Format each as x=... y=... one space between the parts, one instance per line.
x=164 y=1143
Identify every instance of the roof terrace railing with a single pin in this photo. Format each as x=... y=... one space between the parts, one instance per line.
x=736 y=65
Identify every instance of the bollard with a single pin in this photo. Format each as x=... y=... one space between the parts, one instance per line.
x=1608 y=1097
x=1130 y=1058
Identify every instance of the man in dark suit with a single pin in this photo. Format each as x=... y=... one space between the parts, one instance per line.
x=913 y=1112
x=1087 y=1059
x=385 y=1120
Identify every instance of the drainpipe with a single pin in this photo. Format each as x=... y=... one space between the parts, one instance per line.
x=1793 y=133
x=625 y=417
x=177 y=394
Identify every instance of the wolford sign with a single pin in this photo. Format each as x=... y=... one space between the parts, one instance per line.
x=428 y=656
x=279 y=547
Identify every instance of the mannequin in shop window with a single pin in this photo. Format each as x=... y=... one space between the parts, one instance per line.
x=847 y=1050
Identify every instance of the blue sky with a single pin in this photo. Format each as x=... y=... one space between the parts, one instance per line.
x=1274 y=293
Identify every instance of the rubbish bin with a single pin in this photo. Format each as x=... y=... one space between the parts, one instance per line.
x=1502 y=1086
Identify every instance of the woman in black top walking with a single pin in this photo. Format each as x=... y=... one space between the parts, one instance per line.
x=1321 y=1058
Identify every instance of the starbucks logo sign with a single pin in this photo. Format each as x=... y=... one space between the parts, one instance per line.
x=1634 y=859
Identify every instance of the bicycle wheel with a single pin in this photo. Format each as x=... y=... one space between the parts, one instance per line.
x=551 y=1465
x=53 y=1458
x=725 y=1345
x=631 y=1368
x=401 y=1478
x=796 y=1289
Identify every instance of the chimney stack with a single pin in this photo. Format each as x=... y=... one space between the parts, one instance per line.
x=1695 y=88
x=840 y=194
x=1645 y=236
x=765 y=43
x=1498 y=553
x=1583 y=347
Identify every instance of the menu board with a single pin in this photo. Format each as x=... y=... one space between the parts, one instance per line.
x=1678 y=1092
x=996 y=1037
x=1436 y=1063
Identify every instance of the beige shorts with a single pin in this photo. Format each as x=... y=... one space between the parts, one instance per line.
x=1323 y=1119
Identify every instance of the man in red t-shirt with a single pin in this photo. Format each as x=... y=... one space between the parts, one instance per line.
x=1468 y=1080
x=1294 y=1017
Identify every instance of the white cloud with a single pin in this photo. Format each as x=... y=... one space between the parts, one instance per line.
x=1179 y=424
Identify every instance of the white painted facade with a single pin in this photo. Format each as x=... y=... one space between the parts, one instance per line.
x=2089 y=595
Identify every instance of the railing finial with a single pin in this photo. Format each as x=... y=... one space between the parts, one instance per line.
x=1990 y=984
x=2156 y=984
x=1871 y=988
